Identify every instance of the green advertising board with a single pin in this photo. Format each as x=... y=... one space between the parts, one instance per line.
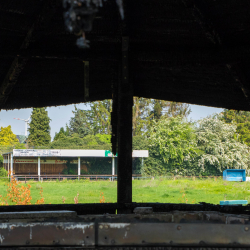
x=108 y=153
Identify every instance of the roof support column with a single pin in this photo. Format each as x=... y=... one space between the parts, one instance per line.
x=124 y=131
x=113 y=168
x=79 y=168
x=11 y=164
x=39 y=168
x=8 y=165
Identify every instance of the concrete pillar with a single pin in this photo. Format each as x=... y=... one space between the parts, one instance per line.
x=11 y=163
x=79 y=167
x=113 y=168
x=39 y=168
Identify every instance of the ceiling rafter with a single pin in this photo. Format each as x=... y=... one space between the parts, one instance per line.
x=18 y=63
x=201 y=15
x=200 y=12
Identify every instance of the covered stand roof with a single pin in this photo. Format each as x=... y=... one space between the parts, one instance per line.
x=194 y=51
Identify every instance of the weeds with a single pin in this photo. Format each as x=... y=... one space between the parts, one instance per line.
x=19 y=195
x=184 y=198
x=76 y=198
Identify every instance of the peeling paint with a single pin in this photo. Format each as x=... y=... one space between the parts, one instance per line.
x=78 y=226
x=118 y=225
x=1 y=238
x=30 y=233
x=208 y=217
x=65 y=226
x=125 y=236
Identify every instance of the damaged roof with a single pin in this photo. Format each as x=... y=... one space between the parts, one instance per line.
x=193 y=51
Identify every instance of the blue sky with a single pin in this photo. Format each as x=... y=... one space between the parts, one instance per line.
x=60 y=115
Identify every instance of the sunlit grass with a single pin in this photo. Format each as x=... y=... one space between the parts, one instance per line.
x=158 y=190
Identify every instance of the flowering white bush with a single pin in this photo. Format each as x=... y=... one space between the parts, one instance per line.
x=222 y=150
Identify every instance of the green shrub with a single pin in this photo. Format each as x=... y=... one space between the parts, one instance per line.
x=3 y=172
x=1 y=161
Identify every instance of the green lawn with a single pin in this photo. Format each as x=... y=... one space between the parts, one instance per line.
x=160 y=190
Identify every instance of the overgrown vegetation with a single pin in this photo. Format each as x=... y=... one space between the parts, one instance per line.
x=176 y=145
x=157 y=190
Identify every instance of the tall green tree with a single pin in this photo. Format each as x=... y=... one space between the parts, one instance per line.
x=141 y=115
x=147 y=110
x=100 y=117
x=39 y=130
x=95 y=120
x=242 y=121
x=62 y=133
x=169 y=109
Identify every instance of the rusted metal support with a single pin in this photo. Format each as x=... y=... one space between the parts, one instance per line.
x=125 y=104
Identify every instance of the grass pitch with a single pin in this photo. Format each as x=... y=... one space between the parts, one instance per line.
x=158 y=190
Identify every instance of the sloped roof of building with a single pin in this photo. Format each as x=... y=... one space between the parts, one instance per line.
x=193 y=51
x=21 y=138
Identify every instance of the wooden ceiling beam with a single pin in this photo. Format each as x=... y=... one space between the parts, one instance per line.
x=18 y=63
x=199 y=11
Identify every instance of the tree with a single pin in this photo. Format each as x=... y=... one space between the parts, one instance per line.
x=141 y=115
x=100 y=117
x=169 y=109
x=62 y=133
x=242 y=121
x=93 y=121
x=39 y=130
x=7 y=137
x=221 y=147
x=147 y=110
x=78 y=124
x=172 y=147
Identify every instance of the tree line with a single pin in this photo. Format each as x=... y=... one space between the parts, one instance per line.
x=177 y=146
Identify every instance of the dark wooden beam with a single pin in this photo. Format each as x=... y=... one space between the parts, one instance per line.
x=200 y=13
x=241 y=78
x=125 y=104
x=18 y=63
